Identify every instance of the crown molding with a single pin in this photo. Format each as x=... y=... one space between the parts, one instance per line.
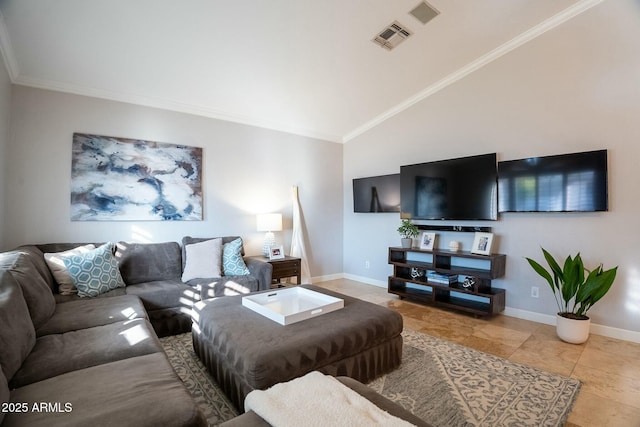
x=532 y=33
x=171 y=105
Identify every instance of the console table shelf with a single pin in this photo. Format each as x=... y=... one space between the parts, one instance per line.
x=480 y=299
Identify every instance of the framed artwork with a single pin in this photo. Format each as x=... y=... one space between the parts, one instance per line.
x=276 y=252
x=427 y=240
x=120 y=179
x=482 y=243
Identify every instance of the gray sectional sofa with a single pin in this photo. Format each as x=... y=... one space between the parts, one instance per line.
x=67 y=360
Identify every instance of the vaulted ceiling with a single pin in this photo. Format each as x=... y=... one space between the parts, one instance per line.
x=301 y=66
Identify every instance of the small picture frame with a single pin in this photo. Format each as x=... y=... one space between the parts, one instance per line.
x=427 y=240
x=482 y=243
x=276 y=252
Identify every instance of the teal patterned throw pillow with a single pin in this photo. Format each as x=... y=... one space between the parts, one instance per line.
x=94 y=272
x=232 y=262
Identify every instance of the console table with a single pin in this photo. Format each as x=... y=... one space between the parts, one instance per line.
x=410 y=267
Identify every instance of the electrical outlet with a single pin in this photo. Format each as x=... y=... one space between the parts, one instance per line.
x=535 y=292
x=366 y=264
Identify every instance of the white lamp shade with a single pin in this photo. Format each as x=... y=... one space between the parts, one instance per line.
x=269 y=222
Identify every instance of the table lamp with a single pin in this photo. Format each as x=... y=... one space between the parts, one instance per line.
x=269 y=223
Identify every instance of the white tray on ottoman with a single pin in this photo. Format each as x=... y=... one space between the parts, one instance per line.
x=291 y=305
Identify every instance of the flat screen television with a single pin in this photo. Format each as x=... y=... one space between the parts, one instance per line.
x=458 y=189
x=377 y=194
x=575 y=182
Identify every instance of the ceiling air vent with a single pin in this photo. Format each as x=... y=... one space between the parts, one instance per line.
x=424 y=12
x=392 y=35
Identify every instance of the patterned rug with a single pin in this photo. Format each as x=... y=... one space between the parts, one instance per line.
x=441 y=382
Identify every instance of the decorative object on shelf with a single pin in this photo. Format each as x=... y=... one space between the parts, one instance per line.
x=408 y=231
x=482 y=243
x=122 y=179
x=442 y=278
x=276 y=252
x=417 y=273
x=454 y=246
x=575 y=294
x=469 y=282
x=269 y=222
x=427 y=240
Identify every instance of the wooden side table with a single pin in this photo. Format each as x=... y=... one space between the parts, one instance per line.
x=282 y=268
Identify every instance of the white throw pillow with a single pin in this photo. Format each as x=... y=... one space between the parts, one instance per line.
x=55 y=262
x=203 y=260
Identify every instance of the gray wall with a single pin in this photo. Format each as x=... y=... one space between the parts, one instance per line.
x=247 y=170
x=5 y=108
x=575 y=88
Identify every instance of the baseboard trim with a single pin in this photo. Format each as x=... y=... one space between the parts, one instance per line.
x=327 y=277
x=530 y=315
x=367 y=280
x=546 y=319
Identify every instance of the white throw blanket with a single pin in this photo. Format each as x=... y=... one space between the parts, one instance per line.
x=317 y=400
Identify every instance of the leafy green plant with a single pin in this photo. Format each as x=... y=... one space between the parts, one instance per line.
x=574 y=291
x=407 y=229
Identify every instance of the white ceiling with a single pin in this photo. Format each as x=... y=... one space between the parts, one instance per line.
x=301 y=66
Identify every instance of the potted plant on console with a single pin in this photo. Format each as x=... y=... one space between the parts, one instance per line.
x=408 y=231
x=576 y=290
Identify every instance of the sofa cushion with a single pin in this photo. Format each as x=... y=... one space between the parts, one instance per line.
x=60 y=299
x=203 y=260
x=188 y=240
x=75 y=315
x=232 y=262
x=57 y=354
x=139 y=391
x=55 y=262
x=35 y=290
x=17 y=336
x=164 y=294
x=148 y=262
x=37 y=257
x=4 y=393
x=225 y=286
x=94 y=272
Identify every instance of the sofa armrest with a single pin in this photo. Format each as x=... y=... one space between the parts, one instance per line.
x=261 y=270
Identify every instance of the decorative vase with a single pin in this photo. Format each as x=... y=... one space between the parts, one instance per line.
x=406 y=243
x=574 y=331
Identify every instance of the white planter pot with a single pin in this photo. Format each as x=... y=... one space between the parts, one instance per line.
x=406 y=243
x=571 y=330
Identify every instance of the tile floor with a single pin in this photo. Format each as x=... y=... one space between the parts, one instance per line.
x=608 y=368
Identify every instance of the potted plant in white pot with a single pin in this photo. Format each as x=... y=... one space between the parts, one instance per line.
x=575 y=293
x=408 y=231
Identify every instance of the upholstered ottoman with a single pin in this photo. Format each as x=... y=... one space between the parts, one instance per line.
x=245 y=351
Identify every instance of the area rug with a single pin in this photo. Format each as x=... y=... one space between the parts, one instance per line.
x=441 y=382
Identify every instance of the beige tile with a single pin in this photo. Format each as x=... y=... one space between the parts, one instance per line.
x=624 y=364
x=591 y=410
x=515 y=323
x=499 y=349
x=615 y=346
x=609 y=385
x=543 y=350
x=500 y=334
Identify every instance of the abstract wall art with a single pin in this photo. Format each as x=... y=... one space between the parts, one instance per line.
x=120 y=179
